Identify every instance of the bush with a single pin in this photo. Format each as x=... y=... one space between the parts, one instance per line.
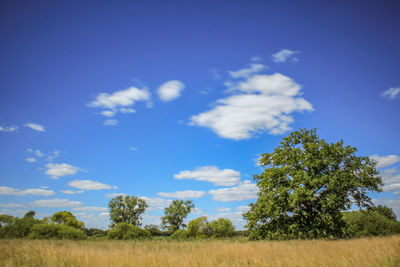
x=17 y=227
x=58 y=231
x=180 y=235
x=222 y=228
x=125 y=231
x=370 y=223
x=198 y=228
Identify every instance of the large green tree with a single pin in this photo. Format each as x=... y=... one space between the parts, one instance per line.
x=175 y=213
x=67 y=218
x=126 y=209
x=306 y=184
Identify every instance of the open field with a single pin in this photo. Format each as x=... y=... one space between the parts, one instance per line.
x=382 y=251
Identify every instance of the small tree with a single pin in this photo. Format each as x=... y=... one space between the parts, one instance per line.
x=66 y=218
x=175 y=213
x=222 y=227
x=126 y=209
x=306 y=185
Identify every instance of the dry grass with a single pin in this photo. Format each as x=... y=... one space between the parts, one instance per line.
x=383 y=251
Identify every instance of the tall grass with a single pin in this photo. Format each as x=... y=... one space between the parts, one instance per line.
x=379 y=251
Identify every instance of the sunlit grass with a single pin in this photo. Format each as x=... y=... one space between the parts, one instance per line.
x=379 y=251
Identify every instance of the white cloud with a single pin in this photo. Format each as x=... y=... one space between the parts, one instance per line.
x=89 y=185
x=90 y=209
x=8 y=128
x=71 y=192
x=245 y=73
x=391 y=93
x=53 y=155
x=225 y=177
x=391 y=179
x=55 y=203
x=58 y=170
x=242 y=208
x=38 y=153
x=256 y=58
x=391 y=203
x=5 y=190
x=119 y=101
x=35 y=126
x=11 y=205
x=183 y=194
x=112 y=195
x=385 y=161
x=111 y=122
x=156 y=203
x=170 y=90
x=30 y=160
x=133 y=148
x=284 y=55
x=244 y=191
x=221 y=209
x=261 y=102
x=14 y=212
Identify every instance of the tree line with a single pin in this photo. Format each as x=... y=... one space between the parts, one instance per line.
x=306 y=191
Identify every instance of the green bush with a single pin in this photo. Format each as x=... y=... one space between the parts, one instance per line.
x=370 y=223
x=57 y=231
x=180 y=235
x=198 y=228
x=15 y=227
x=222 y=227
x=125 y=231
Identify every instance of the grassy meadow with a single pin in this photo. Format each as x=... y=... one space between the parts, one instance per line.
x=377 y=251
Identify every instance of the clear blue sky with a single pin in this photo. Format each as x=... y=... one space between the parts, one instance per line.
x=177 y=99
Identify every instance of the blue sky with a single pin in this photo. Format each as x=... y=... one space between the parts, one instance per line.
x=171 y=99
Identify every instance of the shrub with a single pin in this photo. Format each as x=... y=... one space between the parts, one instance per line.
x=58 y=231
x=370 y=223
x=125 y=231
x=222 y=227
x=198 y=228
x=180 y=235
x=17 y=227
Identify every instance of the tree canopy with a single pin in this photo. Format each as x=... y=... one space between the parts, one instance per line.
x=175 y=213
x=126 y=209
x=306 y=184
x=66 y=218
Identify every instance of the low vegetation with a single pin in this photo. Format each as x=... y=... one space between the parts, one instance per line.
x=377 y=251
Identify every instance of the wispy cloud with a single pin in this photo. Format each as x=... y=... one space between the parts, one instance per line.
x=247 y=72
x=112 y=195
x=156 y=203
x=225 y=177
x=72 y=192
x=89 y=185
x=5 y=190
x=35 y=126
x=90 y=209
x=110 y=122
x=30 y=160
x=58 y=170
x=55 y=203
x=391 y=179
x=11 y=205
x=246 y=190
x=187 y=194
x=8 y=128
x=391 y=93
x=385 y=161
x=170 y=90
x=285 y=54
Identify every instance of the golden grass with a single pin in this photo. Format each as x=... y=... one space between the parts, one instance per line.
x=379 y=251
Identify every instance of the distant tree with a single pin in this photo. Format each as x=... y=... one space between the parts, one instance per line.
x=15 y=227
x=175 y=213
x=385 y=211
x=66 y=218
x=126 y=209
x=154 y=230
x=6 y=219
x=306 y=185
x=198 y=228
x=222 y=227
x=126 y=231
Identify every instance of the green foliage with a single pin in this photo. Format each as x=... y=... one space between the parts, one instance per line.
x=198 y=228
x=222 y=227
x=66 y=218
x=154 y=230
x=385 y=211
x=175 y=213
x=56 y=231
x=17 y=227
x=306 y=185
x=370 y=223
x=180 y=234
x=93 y=232
x=126 y=231
x=126 y=209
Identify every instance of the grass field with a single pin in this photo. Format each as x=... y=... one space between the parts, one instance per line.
x=382 y=251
